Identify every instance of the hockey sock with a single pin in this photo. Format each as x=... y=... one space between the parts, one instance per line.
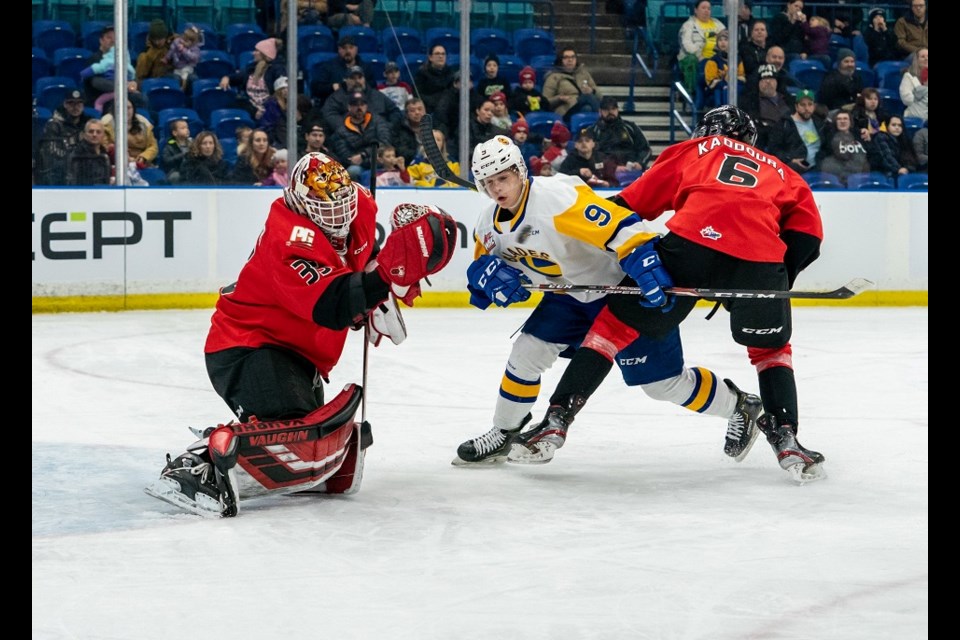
x=778 y=389
x=583 y=376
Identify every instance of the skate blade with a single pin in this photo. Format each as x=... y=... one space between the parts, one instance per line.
x=803 y=473
x=491 y=461
x=542 y=453
x=169 y=492
x=743 y=454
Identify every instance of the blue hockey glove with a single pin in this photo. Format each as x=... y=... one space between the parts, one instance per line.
x=499 y=282
x=644 y=266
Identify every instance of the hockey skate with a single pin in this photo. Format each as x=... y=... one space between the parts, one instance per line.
x=539 y=444
x=202 y=481
x=801 y=463
x=490 y=448
x=742 y=426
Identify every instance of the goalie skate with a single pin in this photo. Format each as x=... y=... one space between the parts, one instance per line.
x=489 y=449
x=188 y=482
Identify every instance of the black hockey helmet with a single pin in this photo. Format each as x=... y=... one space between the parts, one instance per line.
x=729 y=121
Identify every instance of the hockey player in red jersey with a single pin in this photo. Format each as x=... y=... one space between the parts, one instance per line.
x=743 y=220
x=276 y=333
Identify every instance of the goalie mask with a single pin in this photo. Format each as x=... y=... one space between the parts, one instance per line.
x=729 y=121
x=497 y=154
x=321 y=189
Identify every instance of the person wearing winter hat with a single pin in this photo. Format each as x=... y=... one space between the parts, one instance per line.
x=556 y=150
x=256 y=81
x=278 y=177
x=267 y=48
x=153 y=62
x=520 y=132
x=492 y=81
x=501 y=117
x=881 y=40
x=526 y=97
x=841 y=86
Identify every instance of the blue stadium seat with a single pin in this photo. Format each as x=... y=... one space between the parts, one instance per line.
x=149 y=84
x=487 y=40
x=166 y=116
x=627 y=177
x=871 y=180
x=540 y=122
x=42 y=67
x=224 y=122
x=199 y=84
x=165 y=97
x=409 y=63
x=52 y=90
x=811 y=77
x=244 y=59
x=912 y=182
x=821 y=180
x=229 y=146
x=449 y=38
x=215 y=64
x=798 y=65
x=912 y=124
x=314 y=64
x=533 y=42
x=860 y=49
x=398 y=40
x=367 y=40
x=476 y=66
x=312 y=38
x=51 y=35
x=242 y=37
x=90 y=33
x=70 y=61
x=212 y=98
x=866 y=74
x=510 y=66
x=579 y=121
x=890 y=99
x=376 y=62
x=888 y=74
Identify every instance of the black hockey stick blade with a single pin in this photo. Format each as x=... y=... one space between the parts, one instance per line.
x=435 y=157
x=849 y=290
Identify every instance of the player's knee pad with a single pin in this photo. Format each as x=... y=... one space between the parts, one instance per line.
x=609 y=335
x=763 y=358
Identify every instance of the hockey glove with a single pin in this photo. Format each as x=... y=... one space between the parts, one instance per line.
x=644 y=266
x=499 y=282
x=420 y=248
x=385 y=320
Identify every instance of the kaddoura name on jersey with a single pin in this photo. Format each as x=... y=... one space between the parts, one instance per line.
x=562 y=233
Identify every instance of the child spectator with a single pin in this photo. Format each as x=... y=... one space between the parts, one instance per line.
x=492 y=82
x=175 y=150
x=184 y=55
x=881 y=41
x=391 y=168
x=555 y=150
x=278 y=177
x=593 y=167
x=501 y=117
x=816 y=40
x=527 y=97
x=242 y=134
x=393 y=87
x=715 y=69
x=868 y=114
x=521 y=135
x=421 y=171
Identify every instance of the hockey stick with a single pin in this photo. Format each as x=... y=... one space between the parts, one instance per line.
x=849 y=290
x=435 y=157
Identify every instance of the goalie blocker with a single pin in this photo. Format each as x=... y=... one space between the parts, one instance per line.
x=322 y=452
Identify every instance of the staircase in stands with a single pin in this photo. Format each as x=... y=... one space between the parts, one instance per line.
x=609 y=63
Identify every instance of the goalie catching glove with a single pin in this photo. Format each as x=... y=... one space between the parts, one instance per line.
x=385 y=320
x=490 y=279
x=421 y=244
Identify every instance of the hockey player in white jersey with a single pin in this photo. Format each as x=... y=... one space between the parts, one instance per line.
x=557 y=230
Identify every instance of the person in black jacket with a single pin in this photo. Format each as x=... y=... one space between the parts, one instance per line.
x=841 y=86
x=620 y=139
x=204 y=163
x=433 y=77
x=593 y=167
x=88 y=163
x=881 y=41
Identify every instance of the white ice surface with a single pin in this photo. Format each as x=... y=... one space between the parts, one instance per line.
x=639 y=529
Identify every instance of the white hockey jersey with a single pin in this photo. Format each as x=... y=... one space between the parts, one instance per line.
x=562 y=233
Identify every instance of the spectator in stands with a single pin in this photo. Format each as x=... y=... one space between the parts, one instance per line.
x=316 y=141
x=107 y=41
x=275 y=113
x=242 y=133
x=398 y=91
x=256 y=81
x=421 y=171
x=153 y=62
x=184 y=54
x=336 y=107
x=913 y=86
x=698 y=37
x=88 y=163
x=812 y=129
x=60 y=135
x=405 y=134
x=332 y=72
x=447 y=114
x=278 y=177
x=841 y=86
x=846 y=20
x=309 y=12
x=786 y=29
x=555 y=151
x=771 y=112
x=358 y=134
x=845 y=151
x=745 y=22
x=520 y=131
x=593 y=167
x=911 y=29
x=895 y=156
x=481 y=125
x=175 y=150
x=868 y=114
x=620 y=139
x=816 y=40
x=98 y=76
x=775 y=58
x=391 y=168
x=526 y=97
x=255 y=163
x=753 y=52
x=204 y=164
x=434 y=77
x=501 y=116
x=920 y=149
x=343 y=13
x=881 y=41
x=569 y=87
x=715 y=70
x=142 y=148
x=492 y=82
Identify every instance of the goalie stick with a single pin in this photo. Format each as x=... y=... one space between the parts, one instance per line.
x=435 y=157
x=849 y=290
